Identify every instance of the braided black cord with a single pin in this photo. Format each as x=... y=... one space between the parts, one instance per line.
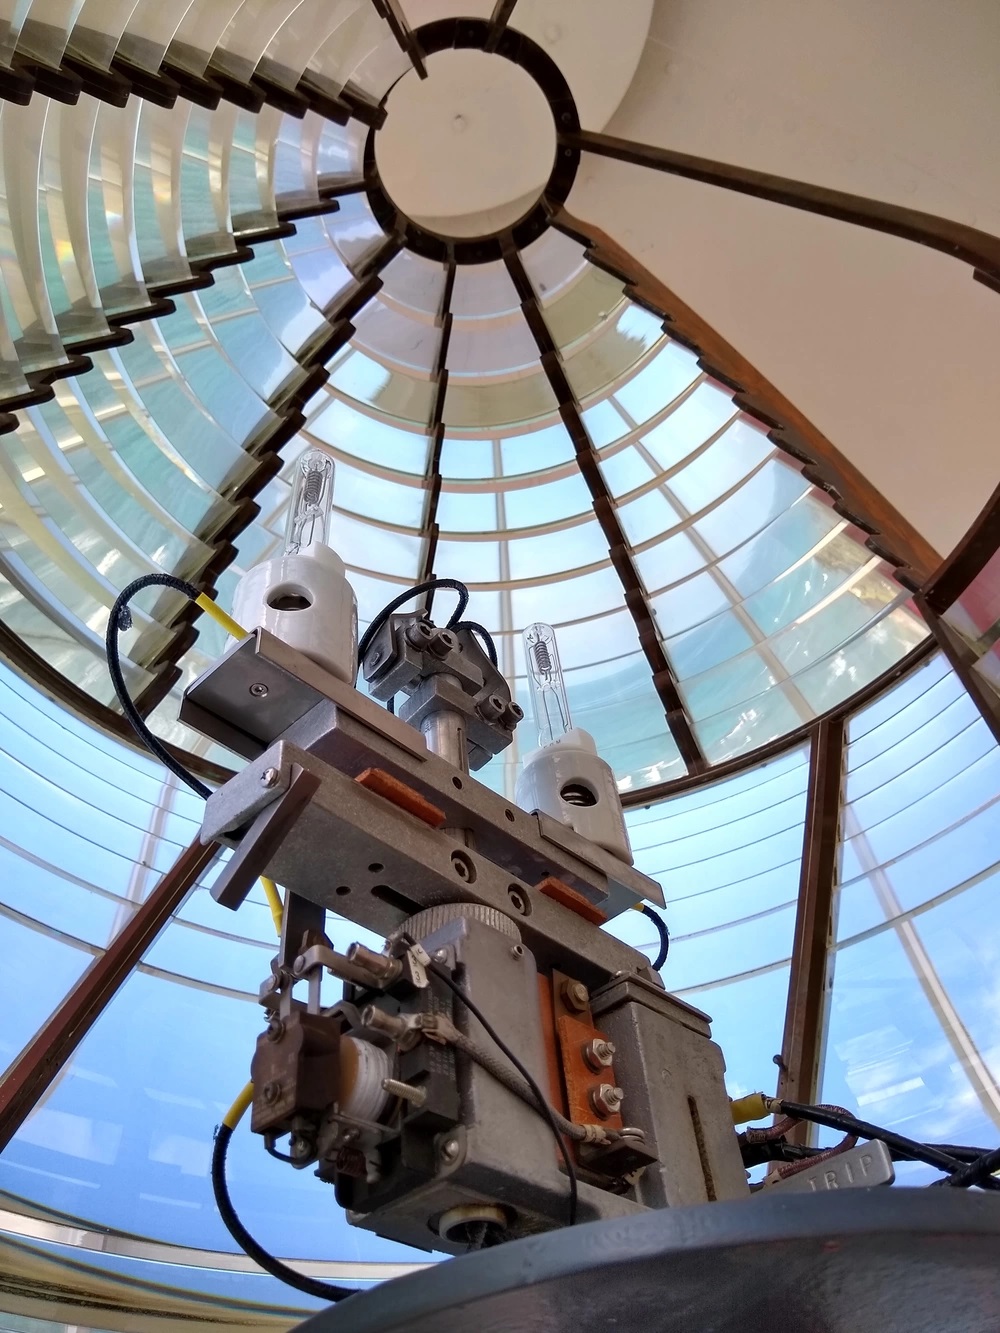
x=121 y=619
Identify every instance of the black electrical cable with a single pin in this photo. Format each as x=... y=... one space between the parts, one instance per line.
x=324 y=1291
x=664 y=933
x=484 y=635
x=543 y=1107
x=962 y=1151
x=276 y=1153
x=121 y=619
x=368 y=638
x=979 y=1172
x=909 y=1149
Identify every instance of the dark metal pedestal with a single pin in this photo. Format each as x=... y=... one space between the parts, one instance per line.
x=912 y=1260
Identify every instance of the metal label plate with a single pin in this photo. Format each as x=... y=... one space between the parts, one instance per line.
x=867 y=1164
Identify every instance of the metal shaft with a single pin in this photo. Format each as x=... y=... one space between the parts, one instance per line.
x=444 y=733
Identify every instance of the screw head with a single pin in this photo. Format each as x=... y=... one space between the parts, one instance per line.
x=269 y=777
x=271 y=1092
x=450 y=1149
x=518 y=900
x=258 y=689
x=440 y=955
x=375 y=657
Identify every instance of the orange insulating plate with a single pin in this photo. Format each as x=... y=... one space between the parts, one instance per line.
x=576 y=902
x=384 y=784
x=552 y=1063
x=580 y=1078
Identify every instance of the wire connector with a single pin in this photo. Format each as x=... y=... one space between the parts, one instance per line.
x=754 y=1106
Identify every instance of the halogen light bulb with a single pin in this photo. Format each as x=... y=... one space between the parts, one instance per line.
x=311 y=502
x=548 y=689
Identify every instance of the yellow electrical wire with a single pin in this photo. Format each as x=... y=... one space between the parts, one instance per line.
x=273 y=901
x=238 y=1109
x=216 y=612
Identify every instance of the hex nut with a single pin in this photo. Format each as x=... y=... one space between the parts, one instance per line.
x=598 y=1054
x=606 y=1099
x=575 y=995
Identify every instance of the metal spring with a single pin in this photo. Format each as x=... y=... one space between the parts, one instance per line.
x=575 y=793
x=543 y=658
x=312 y=487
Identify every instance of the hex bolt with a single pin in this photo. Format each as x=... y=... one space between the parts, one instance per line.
x=606 y=1099
x=271 y=1092
x=258 y=689
x=575 y=995
x=450 y=1150
x=598 y=1054
x=269 y=777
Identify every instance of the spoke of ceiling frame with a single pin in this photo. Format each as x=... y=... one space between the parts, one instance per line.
x=950 y=582
x=967 y=560
x=962 y=661
x=977 y=248
x=392 y=12
x=57 y=1040
x=801 y=1044
x=435 y=431
x=890 y=535
x=959 y=1038
x=622 y=558
x=502 y=11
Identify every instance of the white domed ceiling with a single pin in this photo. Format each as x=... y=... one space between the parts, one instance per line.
x=235 y=230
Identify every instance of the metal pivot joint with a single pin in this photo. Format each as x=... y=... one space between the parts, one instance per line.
x=455 y=695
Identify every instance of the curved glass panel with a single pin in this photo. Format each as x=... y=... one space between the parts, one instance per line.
x=768 y=607
x=911 y=1041
x=728 y=856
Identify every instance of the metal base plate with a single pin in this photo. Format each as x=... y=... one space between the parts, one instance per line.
x=919 y=1260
